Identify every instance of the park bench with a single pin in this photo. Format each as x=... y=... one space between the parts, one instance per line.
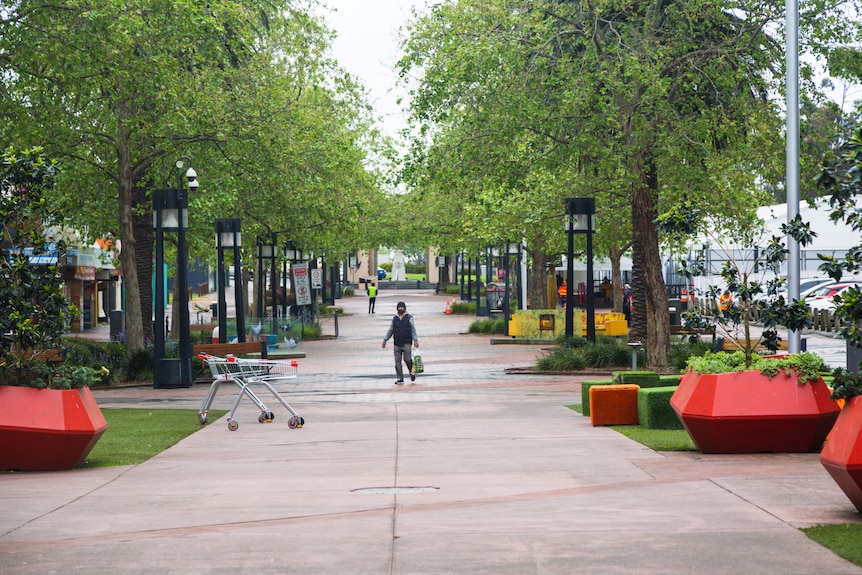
x=239 y=348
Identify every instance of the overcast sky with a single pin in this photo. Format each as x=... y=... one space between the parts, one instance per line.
x=367 y=47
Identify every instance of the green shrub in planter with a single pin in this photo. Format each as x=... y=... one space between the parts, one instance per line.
x=654 y=410
x=641 y=378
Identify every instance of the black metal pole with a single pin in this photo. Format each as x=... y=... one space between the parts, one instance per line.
x=570 y=273
x=222 y=297
x=239 y=296
x=591 y=304
x=506 y=311
x=183 y=280
x=159 y=323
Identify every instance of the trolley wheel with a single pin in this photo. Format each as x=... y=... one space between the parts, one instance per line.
x=203 y=418
x=261 y=418
x=301 y=421
x=293 y=422
x=232 y=425
x=269 y=416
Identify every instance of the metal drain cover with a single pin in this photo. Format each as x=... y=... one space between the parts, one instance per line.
x=394 y=490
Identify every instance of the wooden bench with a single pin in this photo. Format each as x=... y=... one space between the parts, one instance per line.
x=733 y=345
x=54 y=355
x=680 y=330
x=223 y=349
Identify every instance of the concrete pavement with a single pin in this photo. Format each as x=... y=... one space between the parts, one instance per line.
x=470 y=470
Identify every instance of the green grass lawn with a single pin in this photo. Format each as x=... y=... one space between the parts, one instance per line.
x=135 y=435
x=844 y=540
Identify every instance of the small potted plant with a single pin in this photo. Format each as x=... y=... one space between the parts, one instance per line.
x=48 y=417
x=730 y=405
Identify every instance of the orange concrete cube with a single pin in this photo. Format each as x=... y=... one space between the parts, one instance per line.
x=614 y=404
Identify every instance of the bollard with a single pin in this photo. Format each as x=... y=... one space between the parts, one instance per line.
x=635 y=346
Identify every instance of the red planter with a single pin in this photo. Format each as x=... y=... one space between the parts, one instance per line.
x=47 y=429
x=747 y=412
x=842 y=454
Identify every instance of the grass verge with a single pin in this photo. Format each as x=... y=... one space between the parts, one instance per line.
x=655 y=439
x=135 y=435
x=843 y=540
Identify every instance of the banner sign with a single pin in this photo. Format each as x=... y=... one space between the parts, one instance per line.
x=301 y=284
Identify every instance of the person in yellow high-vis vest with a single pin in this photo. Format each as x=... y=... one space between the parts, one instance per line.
x=372 y=296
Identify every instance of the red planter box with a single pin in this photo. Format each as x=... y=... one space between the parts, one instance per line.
x=746 y=412
x=47 y=429
x=842 y=454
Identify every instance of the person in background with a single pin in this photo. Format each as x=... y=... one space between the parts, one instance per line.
x=725 y=301
x=372 y=296
x=404 y=331
x=627 y=302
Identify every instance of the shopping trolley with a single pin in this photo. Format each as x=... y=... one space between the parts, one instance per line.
x=246 y=372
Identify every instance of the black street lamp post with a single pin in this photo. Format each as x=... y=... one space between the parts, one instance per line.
x=170 y=213
x=228 y=237
x=266 y=251
x=580 y=220
x=512 y=249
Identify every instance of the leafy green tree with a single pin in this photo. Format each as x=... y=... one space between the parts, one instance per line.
x=36 y=312
x=655 y=101
x=120 y=90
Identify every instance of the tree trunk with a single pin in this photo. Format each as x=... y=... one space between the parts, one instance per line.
x=142 y=221
x=128 y=258
x=537 y=283
x=615 y=254
x=650 y=306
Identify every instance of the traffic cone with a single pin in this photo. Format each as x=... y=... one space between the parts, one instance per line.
x=448 y=309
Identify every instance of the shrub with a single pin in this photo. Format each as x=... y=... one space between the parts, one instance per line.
x=808 y=366
x=680 y=352
x=140 y=364
x=463 y=308
x=487 y=326
x=577 y=353
x=562 y=359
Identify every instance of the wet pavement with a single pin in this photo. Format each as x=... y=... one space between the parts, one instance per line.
x=472 y=469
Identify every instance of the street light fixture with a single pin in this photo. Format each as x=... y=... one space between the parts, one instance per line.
x=580 y=214
x=228 y=237
x=170 y=213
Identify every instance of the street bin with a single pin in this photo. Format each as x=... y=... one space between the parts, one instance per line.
x=494 y=295
x=674 y=308
x=115 y=319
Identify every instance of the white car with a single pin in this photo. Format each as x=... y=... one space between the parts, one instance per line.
x=825 y=300
x=806 y=288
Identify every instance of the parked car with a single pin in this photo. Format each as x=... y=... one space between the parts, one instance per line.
x=807 y=286
x=825 y=297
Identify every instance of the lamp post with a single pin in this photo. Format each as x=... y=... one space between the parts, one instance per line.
x=228 y=237
x=296 y=255
x=170 y=213
x=580 y=220
x=512 y=249
x=266 y=250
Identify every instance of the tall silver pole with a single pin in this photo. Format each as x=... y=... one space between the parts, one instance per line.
x=792 y=41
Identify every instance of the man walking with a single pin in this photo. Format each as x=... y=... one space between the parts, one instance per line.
x=372 y=297
x=404 y=331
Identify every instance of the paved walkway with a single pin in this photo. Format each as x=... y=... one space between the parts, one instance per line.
x=469 y=470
